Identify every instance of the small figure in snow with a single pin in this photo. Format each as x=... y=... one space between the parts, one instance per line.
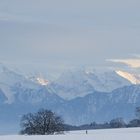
x=86 y=132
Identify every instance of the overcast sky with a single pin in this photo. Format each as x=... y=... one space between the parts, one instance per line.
x=54 y=35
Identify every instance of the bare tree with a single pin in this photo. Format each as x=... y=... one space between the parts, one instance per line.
x=44 y=122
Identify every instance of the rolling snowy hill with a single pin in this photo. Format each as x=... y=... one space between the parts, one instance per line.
x=108 y=134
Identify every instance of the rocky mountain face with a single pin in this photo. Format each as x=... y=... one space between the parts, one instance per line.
x=101 y=106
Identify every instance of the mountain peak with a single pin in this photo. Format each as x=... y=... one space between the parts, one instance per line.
x=133 y=78
x=42 y=81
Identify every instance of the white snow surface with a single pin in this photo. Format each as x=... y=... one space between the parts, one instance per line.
x=107 y=134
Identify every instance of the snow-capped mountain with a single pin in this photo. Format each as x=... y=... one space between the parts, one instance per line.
x=93 y=96
x=13 y=84
x=78 y=83
x=71 y=84
x=97 y=106
x=133 y=78
x=101 y=107
x=39 y=80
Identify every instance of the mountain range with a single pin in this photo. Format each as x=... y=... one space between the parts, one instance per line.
x=79 y=96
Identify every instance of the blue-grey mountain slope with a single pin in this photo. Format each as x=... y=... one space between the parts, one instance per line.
x=20 y=95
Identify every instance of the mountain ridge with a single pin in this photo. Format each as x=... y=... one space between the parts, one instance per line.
x=92 y=105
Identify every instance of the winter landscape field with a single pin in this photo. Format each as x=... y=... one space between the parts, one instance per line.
x=71 y=68
x=108 y=134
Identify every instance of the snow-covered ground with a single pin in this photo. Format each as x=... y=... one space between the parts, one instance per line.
x=108 y=134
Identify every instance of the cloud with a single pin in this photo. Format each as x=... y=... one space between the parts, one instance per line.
x=133 y=63
x=55 y=33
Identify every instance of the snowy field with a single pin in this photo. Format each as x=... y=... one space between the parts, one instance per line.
x=108 y=134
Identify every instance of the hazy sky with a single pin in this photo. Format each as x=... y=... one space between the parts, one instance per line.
x=52 y=35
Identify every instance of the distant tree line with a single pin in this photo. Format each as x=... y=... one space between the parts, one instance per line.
x=46 y=122
x=114 y=123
